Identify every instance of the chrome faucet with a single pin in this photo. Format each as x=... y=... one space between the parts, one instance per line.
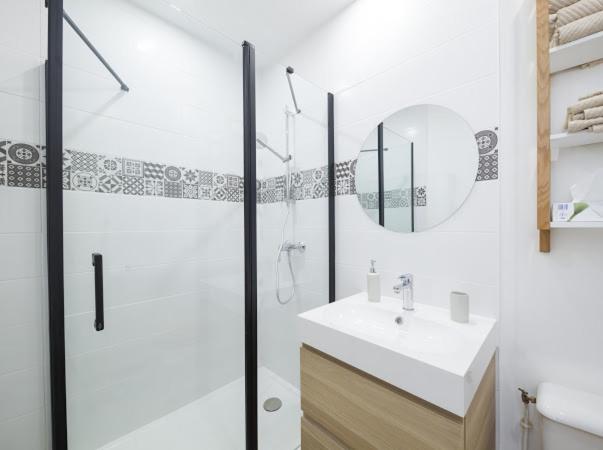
x=406 y=288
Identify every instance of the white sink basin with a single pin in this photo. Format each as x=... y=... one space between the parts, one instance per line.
x=428 y=355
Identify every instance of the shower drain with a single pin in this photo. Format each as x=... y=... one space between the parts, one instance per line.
x=273 y=404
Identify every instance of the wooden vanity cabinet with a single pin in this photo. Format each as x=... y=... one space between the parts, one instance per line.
x=345 y=408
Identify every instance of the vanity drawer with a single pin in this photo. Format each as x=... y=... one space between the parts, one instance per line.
x=314 y=437
x=363 y=412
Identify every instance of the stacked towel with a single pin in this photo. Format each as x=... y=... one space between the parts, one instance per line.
x=587 y=114
x=556 y=5
x=578 y=10
x=570 y=20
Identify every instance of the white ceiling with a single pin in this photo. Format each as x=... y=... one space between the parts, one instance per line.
x=273 y=26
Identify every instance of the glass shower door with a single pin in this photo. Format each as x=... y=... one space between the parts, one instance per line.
x=292 y=239
x=153 y=231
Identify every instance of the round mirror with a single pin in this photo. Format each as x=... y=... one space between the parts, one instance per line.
x=416 y=168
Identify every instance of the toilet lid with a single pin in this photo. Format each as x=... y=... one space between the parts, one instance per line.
x=577 y=409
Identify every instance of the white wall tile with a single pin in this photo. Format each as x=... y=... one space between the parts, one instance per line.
x=27 y=432
x=21 y=15
x=20 y=256
x=25 y=210
x=20 y=301
x=20 y=347
x=371 y=37
x=21 y=393
x=424 y=77
x=21 y=74
x=19 y=118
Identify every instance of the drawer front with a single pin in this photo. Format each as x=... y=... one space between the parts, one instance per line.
x=314 y=437
x=480 y=422
x=365 y=413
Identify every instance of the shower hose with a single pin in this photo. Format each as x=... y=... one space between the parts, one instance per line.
x=278 y=259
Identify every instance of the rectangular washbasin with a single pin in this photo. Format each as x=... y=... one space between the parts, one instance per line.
x=422 y=352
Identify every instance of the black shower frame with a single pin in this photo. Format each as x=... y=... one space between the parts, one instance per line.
x=381 y=178
x=55 y=255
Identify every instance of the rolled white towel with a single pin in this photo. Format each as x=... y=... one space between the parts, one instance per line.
x=556 y=5
x=581 y=28
x=592 y=113
x=578 y=10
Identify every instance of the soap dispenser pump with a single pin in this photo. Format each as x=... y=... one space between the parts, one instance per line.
x=373 y=284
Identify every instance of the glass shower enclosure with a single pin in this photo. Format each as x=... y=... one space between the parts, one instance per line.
x=181 y=247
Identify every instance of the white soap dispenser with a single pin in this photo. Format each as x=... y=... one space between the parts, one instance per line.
x=373 y=284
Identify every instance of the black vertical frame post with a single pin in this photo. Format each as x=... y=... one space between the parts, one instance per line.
x=412 y=187
x=54 y=222
x=331 y=163
x=250 y=229
x=380 y=174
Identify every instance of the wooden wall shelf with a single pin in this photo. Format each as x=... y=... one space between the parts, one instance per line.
x=576 y=224
x=572 y=140
x=576 y=53
x=567 y=140
x=550 y=61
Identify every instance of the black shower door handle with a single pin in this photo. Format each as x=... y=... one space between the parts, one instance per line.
x=99 y=321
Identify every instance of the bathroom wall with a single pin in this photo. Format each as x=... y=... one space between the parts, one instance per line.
x=379 y=57
x=548 y=310
x=550 y=303
x=172 y=245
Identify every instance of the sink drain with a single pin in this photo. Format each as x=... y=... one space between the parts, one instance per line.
x=273 y=404
x=399 y=320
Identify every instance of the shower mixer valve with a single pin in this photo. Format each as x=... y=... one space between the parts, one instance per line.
x=288 y=246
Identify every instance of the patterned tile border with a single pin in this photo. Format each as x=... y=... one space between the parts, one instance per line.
x=313 y=183
x=23 y=165
x=396 y=198
x=487 y=142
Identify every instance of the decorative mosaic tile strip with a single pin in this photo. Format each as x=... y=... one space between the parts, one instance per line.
x=396 y=198
x=487 y=142
x=23 y=165
x=313 y=183
x=20 y=164
x=115 y=175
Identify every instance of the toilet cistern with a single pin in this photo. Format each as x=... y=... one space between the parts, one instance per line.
x=406 y=288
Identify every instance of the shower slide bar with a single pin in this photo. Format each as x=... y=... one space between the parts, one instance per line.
x=80 y=33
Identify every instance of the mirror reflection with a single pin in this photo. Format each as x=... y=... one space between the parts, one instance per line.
x=416 y=168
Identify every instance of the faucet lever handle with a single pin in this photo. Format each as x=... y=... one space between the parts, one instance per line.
x=406 y=279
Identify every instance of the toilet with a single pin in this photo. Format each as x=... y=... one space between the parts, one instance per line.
x=570 y=419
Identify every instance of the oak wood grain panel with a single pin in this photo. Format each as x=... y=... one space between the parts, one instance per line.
x=314 y=437
x=363 y=412
x=543 y=79
x=544 y=239
x=480 y=421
